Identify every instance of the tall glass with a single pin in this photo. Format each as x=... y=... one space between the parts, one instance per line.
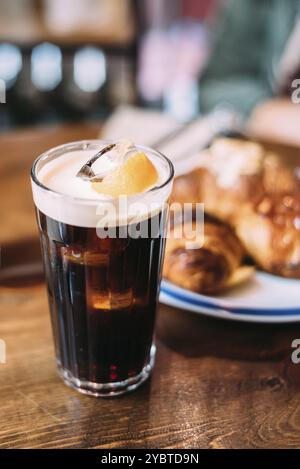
x=102 y=288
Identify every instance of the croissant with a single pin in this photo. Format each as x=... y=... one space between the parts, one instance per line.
x=270 y=232
x=208 y=268
x=200 y=186
x=233 y=173
x=187 y=188
x=253 y=190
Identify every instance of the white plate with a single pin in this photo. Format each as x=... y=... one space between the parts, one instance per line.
x=266 y=298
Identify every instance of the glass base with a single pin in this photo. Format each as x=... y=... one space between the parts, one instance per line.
x=108 y=389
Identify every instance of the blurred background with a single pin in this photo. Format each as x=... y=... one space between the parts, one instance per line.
x=68 y=60
x=75 y=60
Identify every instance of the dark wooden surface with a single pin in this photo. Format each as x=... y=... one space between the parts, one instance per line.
x=216 y=384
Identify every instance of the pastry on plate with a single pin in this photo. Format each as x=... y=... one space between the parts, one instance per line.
x=270 y=232
x=206 y=266
x=233 y=173
x=229 y=173
x=255 y=192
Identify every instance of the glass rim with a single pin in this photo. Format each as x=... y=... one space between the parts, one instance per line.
x=84 y=143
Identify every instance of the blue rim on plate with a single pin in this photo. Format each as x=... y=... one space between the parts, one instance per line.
x=189 y=298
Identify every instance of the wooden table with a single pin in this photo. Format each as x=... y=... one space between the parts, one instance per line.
x=216 y=384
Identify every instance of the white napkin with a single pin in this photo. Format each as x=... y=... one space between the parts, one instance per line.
x=141 y=126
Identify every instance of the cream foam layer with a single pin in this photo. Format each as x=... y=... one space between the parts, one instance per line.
x=72 y=200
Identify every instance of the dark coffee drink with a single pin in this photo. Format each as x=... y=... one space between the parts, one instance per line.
x=102 y=295
x=102 y=291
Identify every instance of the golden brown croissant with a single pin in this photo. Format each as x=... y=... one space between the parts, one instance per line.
x=270 y=232
x=207 y=269
x=242 y=184
x=187 y=188
x=233 y=173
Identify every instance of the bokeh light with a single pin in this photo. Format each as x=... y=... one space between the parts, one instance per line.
x=89 y=69
x=46 y=66
x=10 y=63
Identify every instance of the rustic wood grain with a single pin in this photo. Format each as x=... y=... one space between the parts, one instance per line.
x=216 y=384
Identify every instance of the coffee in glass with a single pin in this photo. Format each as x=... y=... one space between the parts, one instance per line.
x=103 y=252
